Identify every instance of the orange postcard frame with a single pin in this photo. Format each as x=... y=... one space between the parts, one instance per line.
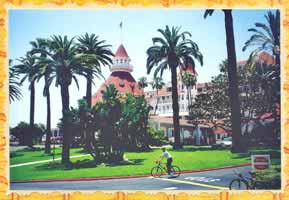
x=5 y=194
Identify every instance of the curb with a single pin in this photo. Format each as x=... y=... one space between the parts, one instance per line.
x=125 y=177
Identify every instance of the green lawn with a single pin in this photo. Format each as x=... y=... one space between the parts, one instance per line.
x=26 y=155
x=189 y=158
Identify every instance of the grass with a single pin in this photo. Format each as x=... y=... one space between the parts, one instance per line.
x=189 y=158
x=28 y=155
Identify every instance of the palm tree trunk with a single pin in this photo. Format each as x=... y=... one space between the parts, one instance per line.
x=177 y=144
x=48 y=121
x=32 y=111
x=157 y=91
x=237 y=144
x=277 y=59
x=88 y=89
x=65 y=108
x=87 y=134
x=32 y=103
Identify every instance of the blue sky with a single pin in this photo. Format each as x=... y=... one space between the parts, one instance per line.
x=139 y=26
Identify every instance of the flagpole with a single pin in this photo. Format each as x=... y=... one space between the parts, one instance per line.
x=121 y=36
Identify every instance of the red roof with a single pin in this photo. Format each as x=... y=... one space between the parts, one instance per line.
x=263 y=56
x=220 y=130
x=123 y=82
x=189 y=69
x=121 y=52
x=267 y=58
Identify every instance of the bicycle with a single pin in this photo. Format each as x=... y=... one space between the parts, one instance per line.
x=243 y=183
x=160 y=170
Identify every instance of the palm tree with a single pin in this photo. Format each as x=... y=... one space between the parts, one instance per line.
x=65 y=63
x=157 y=84
x=143 y=82
x=28 y=69
x=100 y=54
x=266 y=37
x=172 y=50
x=237 y=144
x=189 y=81
x=14 y=85
x=97 y=53
x=45 y=71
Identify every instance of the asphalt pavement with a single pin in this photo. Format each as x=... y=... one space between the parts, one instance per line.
x=208 y=180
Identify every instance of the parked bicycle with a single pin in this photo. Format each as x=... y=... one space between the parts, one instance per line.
x=160 y=170
x=244 y=183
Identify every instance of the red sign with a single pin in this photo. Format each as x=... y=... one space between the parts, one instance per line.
x=260 y=162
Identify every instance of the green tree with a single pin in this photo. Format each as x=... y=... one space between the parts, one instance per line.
x=28 y=69
x=266 y=37
x=133 y=123
x=99 y=54
x=24 y=134
x=143 y=82
x=237 y=144
x=14 y=84
x=65 y=63
x=109 y=111
x=157 y=84
x=44 y=70
x=172 y=50
x=189 y=81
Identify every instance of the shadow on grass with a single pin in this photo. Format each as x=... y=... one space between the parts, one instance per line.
x=15 y=154
x=124 y=163
x=195 y=148
x=86 y=163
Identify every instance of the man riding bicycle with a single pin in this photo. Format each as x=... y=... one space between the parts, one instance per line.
x=169 y=158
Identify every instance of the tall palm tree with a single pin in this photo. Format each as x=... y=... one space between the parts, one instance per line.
x=28 y=68
x=172 y=50
x=143 y=82
x=157 y=84
x=14 y=84
x=189 y=80
x=100 y=55
x=266 y=36
x=237 y=144
x=44 y=71
x=97 y=54
x=65 y=63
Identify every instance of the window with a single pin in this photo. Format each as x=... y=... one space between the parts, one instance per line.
x=163 y=98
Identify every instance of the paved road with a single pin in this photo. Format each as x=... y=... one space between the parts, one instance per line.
x=210 y=180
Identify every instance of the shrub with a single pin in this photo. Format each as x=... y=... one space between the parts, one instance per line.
x=157 y=136
x=269 y=178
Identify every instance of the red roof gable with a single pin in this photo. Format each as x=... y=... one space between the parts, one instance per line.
x=263 y=56
x=267 y=58
x=121 y=52
x=123 y=82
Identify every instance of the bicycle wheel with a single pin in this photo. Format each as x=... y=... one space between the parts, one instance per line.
x=156 y=172
x=176 y=171
x=238 y=184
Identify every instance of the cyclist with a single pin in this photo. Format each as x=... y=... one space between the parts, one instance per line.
x=169 y=158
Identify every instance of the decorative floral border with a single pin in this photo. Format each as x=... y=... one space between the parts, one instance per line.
x=5 y=194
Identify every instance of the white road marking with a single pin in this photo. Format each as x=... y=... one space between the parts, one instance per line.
x=193 y=183
x=43 y=161
x=203 y=179
x=170 y=188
